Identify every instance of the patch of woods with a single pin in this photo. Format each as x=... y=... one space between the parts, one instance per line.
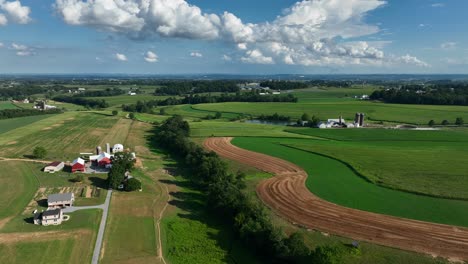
x=86 y=102
x=292 y=85
x=20 y=92
x=101 y=93
x=14 y=113
x=226 y=196
x=147 y=106
x=194 y=87
x=432 y=94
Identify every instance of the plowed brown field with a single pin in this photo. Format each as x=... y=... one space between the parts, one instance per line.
x=288 y=196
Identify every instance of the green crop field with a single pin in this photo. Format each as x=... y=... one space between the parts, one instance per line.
x=14 y=123
x=428 y=162
x=324 y=94
x=333 y=181
x=7 y=105
x=415 y=114
x=220 y=128
x=190 y=111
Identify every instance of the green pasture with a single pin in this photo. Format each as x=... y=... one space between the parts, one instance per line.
x=414 y=114
x=190 y=111
x=14 y=123
x=333 y=181
x=7 y=105
x=324 y=94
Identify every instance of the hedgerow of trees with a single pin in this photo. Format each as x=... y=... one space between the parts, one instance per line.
x=87 y=102
x=101 y=93
x=226 y=195
x=187 y=87
x=121 y=162
x=435 y=94
x=13 y=113
x=147 y=106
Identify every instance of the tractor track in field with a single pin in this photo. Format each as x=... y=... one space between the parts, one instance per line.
x=25 y=160
x=287 y=195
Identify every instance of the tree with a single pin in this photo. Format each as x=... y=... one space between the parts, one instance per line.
x=115 y=112
x=131 y=115
x=124 y=160
x=116 y=176
x=132 y=185
x=305 y=117
x=431 y=123
x=218 y=115
x=39 y=152
x=162 y=111
x=327 y=254
x=445 y=122
x=459 y=121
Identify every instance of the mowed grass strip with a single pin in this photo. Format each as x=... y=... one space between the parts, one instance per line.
x=414 y=114
x=7 y=105
x=333 y=181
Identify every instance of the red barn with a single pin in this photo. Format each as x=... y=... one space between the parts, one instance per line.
x=104 y=161
x=78 y=165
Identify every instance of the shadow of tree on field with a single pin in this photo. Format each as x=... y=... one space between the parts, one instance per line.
x=99 y=182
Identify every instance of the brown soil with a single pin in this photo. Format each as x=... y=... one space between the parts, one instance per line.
x=288 y=196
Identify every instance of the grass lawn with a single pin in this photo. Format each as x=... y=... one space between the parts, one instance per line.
x=17 y=187
x=332 y=180
x=417 y=114
x=429 y=162
x=14 y=123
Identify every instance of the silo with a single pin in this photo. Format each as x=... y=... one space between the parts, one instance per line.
x=98 y=150
x=108 y=150
x=361 y=120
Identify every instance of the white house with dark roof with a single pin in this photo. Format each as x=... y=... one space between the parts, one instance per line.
x=54 y=167
x=60 y=200
x=49 y=217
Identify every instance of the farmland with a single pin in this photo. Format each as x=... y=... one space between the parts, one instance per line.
x=23 y=242
x=333 y=181
x=423 y=157
x=6 y=105
x=14 y=123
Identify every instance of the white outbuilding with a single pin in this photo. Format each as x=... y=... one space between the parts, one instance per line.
x=118 y=148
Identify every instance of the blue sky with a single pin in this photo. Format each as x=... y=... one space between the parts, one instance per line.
x=238 y=37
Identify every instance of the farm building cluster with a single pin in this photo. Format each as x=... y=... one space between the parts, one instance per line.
x=341 y=123
x=54 y=213
x=101 y=161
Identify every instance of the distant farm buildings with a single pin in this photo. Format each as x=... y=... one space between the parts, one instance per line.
x=78 y=165
x=341 y=123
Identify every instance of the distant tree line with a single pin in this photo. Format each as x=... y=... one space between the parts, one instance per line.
x=13 y=113
x=436 y=94
x=20 y=92
x=187 y=87
x=101 y=93
x=147 y=106
x=294 y=85
x=274 y=117
x=226 y=196
x=91 y=103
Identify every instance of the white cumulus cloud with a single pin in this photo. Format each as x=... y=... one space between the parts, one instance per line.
x=310 y=32
x=256 y=56
x=15 y=11
x=448 y=45
x=151 y=57
x=226 y=58
x=196 y=54
x=121 y=57
x=22 y=50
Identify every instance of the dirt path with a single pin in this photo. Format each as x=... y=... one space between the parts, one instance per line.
x=158 y=223
x=288 y=196
x=27 y=160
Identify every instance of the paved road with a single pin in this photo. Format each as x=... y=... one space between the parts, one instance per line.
x=102 y=226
